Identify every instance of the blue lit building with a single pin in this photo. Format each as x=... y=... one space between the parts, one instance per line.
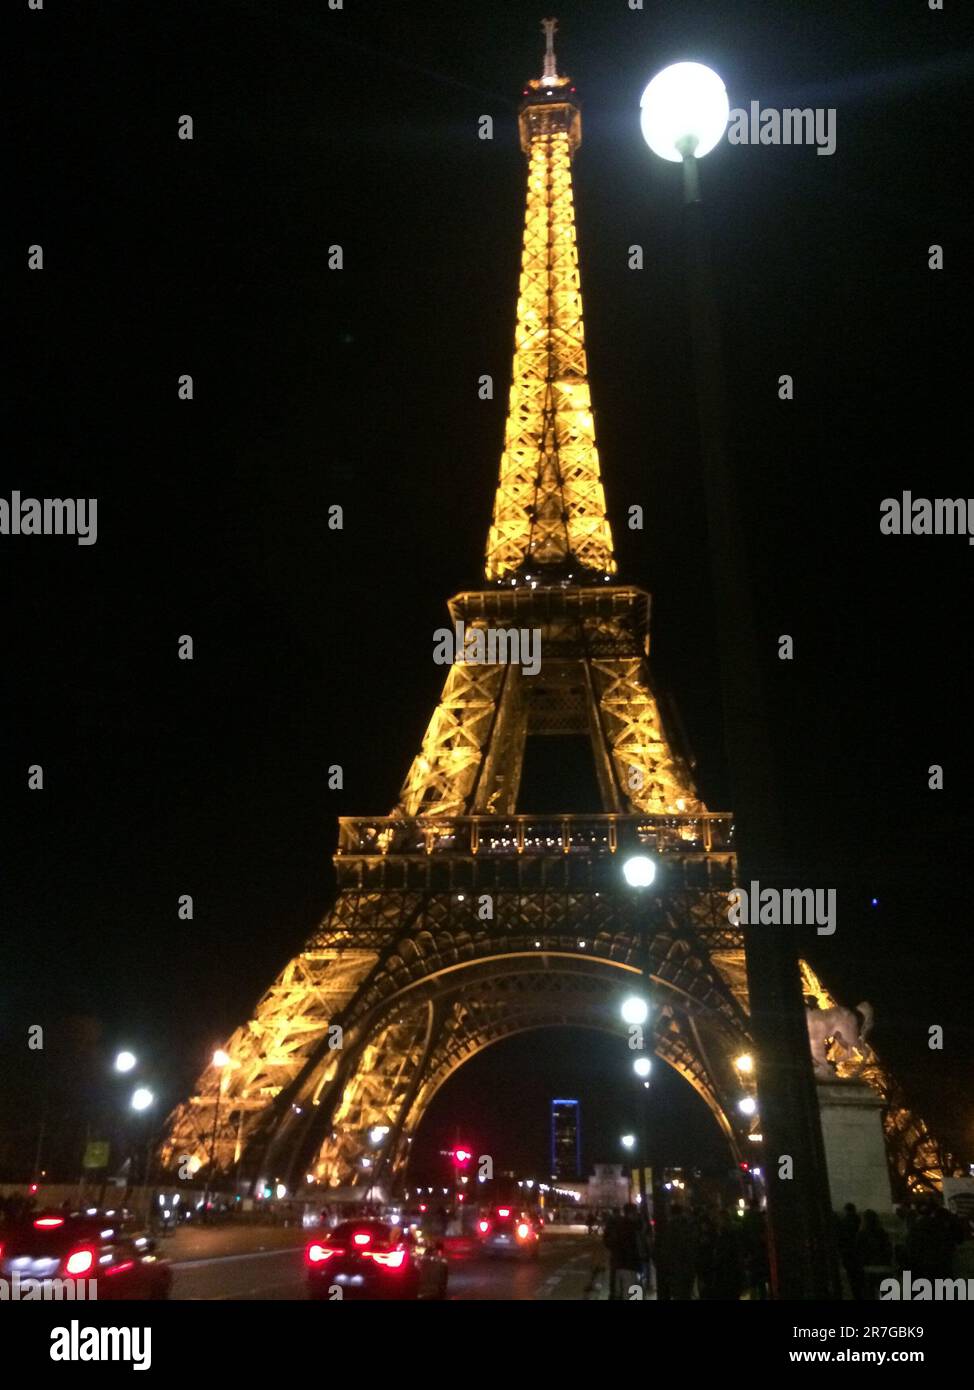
x=566 y=1139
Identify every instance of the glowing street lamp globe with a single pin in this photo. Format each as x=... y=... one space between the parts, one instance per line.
x=125 y=1061
x=642 y=1066
x=628 y=1141
x=142 y=1098
x=747 y=1106
x=639 y=870
x=684 y=111
x=635 y=1010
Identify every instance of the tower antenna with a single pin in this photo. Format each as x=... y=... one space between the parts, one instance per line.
x=550 y=73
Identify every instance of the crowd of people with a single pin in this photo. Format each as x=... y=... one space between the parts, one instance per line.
x=927 y=1239
x=712 y=1253
x=706 y=1253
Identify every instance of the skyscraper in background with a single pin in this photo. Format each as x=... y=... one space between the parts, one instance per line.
x=566 y=1139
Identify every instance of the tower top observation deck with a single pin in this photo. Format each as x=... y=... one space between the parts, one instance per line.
x=549 y=103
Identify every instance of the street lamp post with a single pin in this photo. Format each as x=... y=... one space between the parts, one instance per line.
x=628 y=1142
x=221 y=1061
x=142 y=1102
x=640 y=872
x=684 y=113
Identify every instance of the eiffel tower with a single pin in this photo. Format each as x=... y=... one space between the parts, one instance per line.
x=459 y=922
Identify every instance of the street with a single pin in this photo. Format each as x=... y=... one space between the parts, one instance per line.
x=241 y=1264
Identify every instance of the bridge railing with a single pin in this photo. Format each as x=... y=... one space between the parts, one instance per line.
x=705 y=833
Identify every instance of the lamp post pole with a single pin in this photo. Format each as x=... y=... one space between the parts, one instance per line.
x=803 y=1256
x=802 y=1246
x=221 y=1061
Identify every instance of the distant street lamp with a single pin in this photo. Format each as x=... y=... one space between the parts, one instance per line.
x=628 y=1141
x=125 y=1061
x=635 y=1010
x=142 y=1102
x=639 y=870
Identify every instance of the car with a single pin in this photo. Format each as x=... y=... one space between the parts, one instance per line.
x=509 y=1230
x=92 y=1246
x=376 y=1259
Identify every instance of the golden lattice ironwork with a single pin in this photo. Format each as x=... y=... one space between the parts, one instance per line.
x=594 y=680
x=407 y=977
x=550 y=507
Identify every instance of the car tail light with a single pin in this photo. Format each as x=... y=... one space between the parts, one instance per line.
x=483 y=1227
x=503 y=1211
x=361 y=1238
x=120 y=1269
x=523 y=1230
x=317 y=1254
x=79 y=1261
x=394 y=1259
x=47 y=1223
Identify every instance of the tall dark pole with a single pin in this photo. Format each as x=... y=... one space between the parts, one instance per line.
x=212 y=1156
x=803 y=1257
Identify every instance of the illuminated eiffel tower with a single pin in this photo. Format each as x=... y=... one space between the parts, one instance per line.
x=458 y=922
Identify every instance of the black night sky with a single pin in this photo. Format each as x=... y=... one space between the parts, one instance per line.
x=358 y=387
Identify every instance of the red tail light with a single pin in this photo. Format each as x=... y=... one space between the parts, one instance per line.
x=503 y=1211
x=394 y=1259
x=46 y=1223
x=483 y=1227
x=120 y=1269
x=361 y=1238
x=317 y=1254
x=79 y=1261
x=523 y=1230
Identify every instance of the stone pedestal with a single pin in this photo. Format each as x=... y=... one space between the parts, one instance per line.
x=855 y=1148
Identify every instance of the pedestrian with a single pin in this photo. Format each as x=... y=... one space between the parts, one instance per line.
x=874 y=1254
x=964 y=1254
x=676 y=1256
x=705 y=1252
x=846 y=1230
x=727 y=1279
x=625 y=1240
x=754 y=1238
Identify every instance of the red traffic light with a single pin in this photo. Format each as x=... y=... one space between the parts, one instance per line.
x=461 y=1157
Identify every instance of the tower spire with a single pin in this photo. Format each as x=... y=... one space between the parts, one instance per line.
x=550 y=71
x=549 y=518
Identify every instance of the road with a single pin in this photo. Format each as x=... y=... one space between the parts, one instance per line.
x=252 y=1264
